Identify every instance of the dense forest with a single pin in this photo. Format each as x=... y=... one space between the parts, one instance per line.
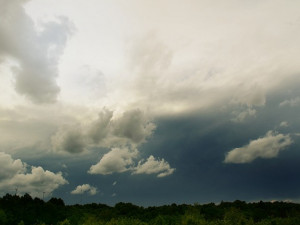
x=25 y=210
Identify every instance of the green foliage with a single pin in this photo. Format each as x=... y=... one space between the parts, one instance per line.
x=3 y=217
x=65 y=222
x=234 y=216
x=125 y=221
x=192 y=217
x=24 y=210
x=21 y=222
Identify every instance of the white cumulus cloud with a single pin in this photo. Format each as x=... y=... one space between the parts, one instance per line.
x=154 y=166
x=265 y=147
x=120 y=160
x=80 y=189
x=33 y=180
x=117 y=160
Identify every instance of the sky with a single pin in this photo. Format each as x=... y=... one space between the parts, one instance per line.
x=150 y=102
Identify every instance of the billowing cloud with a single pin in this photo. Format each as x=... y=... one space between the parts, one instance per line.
x=80 y=189
x=130 y=128
x=134 y=126
x=154 y=166
x=36 y=54
x=10 y=167
x=100 y=128
x=71 y=141
x=265 y=147
x=122 y=160
x=117 y=160
x=33 y=180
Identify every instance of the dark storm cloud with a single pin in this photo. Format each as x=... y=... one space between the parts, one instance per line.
x=36 y=54
x=196 y=145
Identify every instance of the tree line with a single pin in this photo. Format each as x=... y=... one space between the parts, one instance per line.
x=25 y=210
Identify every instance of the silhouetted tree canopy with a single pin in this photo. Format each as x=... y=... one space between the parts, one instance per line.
x=17 y=210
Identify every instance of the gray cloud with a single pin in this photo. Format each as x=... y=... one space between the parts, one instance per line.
x=71 y=141
x=101 y=127
x=268 y=146
x=130 y=128
x=36 y=54
x=134 y=126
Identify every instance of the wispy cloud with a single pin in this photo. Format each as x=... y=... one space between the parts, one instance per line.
x=291 y=102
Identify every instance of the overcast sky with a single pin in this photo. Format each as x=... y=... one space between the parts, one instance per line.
x=150 y=102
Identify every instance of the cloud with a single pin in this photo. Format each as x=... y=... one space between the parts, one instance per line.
x=130 y=128
x=154 y=166
x=122 y=160
x=284 y=124
x=241 y=116
x=264 y=147
x=35 y=53
x=251 y=95
x=292 y=102
x=100 y=128
x=28 y=129
x=10 y=167
x=117 y=160
x=134 y=126
x=203 y=84
x=69 y=140
x=33 y=180
x=80 y=189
